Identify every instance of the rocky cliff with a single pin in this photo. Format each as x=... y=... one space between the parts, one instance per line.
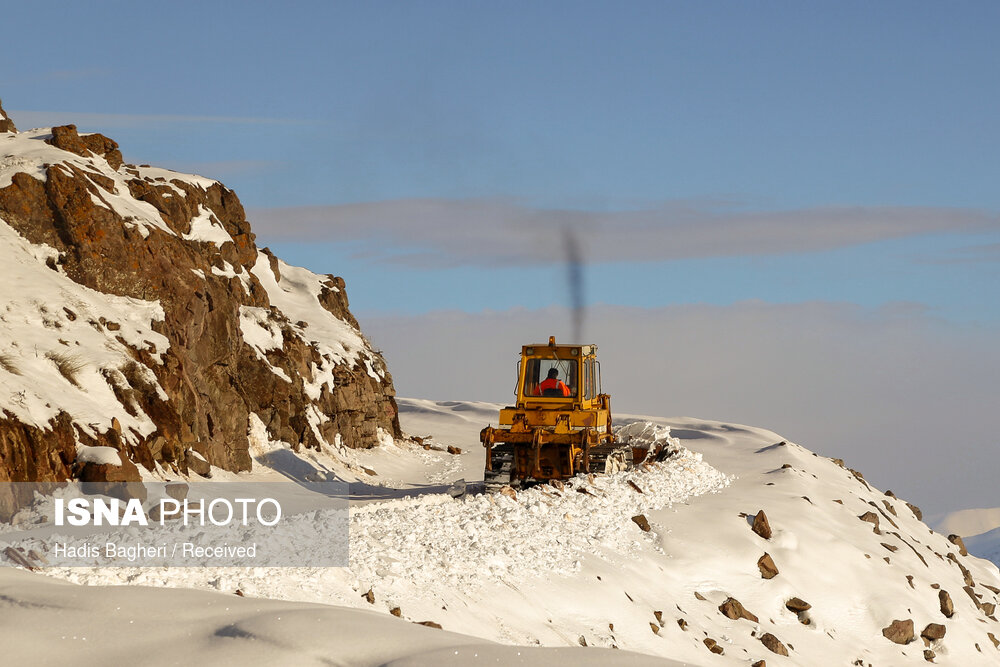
x=139 y=314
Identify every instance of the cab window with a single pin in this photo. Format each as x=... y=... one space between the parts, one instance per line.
x=589 y=380
x=539 y=379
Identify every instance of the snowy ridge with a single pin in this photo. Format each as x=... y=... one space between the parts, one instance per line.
x=297 y=296
x=28 y=152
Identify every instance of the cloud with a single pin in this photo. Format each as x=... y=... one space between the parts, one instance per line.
x=439 y=232
x=989 y=252
x=28 y=119
x=905 y=398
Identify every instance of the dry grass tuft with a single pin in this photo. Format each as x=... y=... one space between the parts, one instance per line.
x=137 y=376
x=69 y=365
x=7 y=363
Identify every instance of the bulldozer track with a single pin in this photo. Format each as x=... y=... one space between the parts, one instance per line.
x=501 y=464
x=604 y=459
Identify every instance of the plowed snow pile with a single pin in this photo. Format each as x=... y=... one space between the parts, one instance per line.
x=435 y=540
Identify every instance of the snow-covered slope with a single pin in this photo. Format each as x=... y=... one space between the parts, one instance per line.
x=51 y=623
x=569 y=567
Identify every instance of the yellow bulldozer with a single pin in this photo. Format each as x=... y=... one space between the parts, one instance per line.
x=560 y=424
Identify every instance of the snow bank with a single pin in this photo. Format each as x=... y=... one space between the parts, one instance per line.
x=433 y=540
x=98 y=455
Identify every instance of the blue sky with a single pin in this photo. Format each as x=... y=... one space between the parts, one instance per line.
x=838 y=161
x=768 y=106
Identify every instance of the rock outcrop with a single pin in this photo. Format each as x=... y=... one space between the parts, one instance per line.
x=6 y=124
x=236 y=339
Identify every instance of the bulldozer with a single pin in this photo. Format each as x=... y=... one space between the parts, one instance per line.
x=560 y=425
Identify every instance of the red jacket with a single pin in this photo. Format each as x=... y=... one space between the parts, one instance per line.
x=552 y=383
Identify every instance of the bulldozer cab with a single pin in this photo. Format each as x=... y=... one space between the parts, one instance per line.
x=551 y=375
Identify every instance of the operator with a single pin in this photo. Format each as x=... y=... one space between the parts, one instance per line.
x=552 y=382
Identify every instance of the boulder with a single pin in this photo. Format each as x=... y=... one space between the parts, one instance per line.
x=176 y=490
x=768 y=570
x=732 y=608
x=773 y=644
x=713 y=646
x=6 y=124
x=957 y=541
x=899 y=632
x=933 y=631
x=947 y=606
x=197 y=464
x=640 y=520
x=117 y=481
x=797 y=605
x=761 y=526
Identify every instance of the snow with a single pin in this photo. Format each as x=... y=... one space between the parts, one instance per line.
x=429 y=540
x=553 y=566
x=56 y=355
x=98 y=455
x=166 y=177
x=52 y=623
x=206 y=229
x=297 y=296
x=262 y=334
